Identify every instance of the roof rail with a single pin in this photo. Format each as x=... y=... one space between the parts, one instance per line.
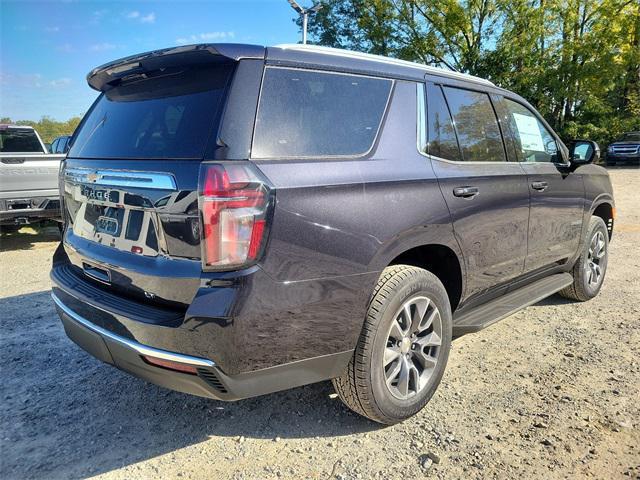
x=379 y=58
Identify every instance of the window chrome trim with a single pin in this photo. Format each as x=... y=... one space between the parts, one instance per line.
x=338 y=52
x=463 y=162
x=121 y=178
x=137 y=347
x=421 y=135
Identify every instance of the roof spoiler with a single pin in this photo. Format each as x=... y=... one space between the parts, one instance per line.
x=103 y=77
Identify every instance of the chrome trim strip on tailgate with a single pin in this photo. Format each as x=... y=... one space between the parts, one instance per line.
x=121 y=178
x=137 y=347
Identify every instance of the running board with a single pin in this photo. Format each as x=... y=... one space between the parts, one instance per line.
x=509 y=303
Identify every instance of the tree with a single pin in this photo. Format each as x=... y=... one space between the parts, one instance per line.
x=577 y=61
x=47 y=128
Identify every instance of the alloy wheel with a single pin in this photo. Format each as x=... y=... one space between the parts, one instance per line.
x=412 y=347
x=595 y=259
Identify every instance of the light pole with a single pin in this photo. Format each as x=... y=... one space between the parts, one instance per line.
x=304 y=13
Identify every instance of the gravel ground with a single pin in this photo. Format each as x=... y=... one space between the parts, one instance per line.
x=551 y=392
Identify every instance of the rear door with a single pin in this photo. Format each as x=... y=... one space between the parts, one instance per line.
x=557 y=193
x=487 y=195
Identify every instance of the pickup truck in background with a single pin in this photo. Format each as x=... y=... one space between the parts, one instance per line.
x=625 y=150
x=28 y=178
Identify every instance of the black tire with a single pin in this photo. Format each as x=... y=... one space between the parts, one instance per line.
x=582 y=288
x=9 y=228
x=363 y=385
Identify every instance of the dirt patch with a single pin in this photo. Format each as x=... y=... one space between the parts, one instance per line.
x=550 y=392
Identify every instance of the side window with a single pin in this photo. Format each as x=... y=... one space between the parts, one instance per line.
x=534 y=143
x=305 y=113
x=442 y=135
x=476 y=125
x=54 y=146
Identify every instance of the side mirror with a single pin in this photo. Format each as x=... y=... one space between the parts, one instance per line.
x=582 y=152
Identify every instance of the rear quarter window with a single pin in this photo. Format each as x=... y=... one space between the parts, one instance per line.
x=317 y=114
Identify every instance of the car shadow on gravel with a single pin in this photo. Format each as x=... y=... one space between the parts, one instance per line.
x=27 y=237
x=65 y=414
x=555 y=300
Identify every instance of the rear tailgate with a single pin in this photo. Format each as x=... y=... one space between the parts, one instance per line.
x=29 y=175
x=135 y=225
x=131 y=176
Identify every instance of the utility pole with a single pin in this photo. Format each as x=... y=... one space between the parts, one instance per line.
x=304 y=13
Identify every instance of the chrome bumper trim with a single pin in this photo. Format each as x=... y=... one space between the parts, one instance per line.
x=137 y=347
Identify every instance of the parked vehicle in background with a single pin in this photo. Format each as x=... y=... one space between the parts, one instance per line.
x=28 y=178
x=60 y=144
x=253 y=219
x=625 y=150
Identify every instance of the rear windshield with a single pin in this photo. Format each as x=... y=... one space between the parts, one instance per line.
x=19 y=141
x=161 y=115
x=316 y=114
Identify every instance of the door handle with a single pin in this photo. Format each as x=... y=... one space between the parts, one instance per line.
x=541 y=186
x=465 y=192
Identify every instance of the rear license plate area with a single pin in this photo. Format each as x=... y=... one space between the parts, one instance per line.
x=110 y=222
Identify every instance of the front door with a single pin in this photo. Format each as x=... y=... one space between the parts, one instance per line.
x=557 y=194
x=487 y=196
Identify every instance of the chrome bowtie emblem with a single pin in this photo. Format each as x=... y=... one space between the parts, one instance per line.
x=93 y=177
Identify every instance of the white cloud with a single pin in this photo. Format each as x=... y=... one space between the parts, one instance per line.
x=97 y=16
x=149 y=18
x=32 y=80
x=65 y=48
x=102 y=47
x=60 y=82
x=21 y=80
x=205 y=37
x=137 y=16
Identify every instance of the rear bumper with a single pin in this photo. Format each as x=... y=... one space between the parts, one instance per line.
x=617 y=158
x=120 y=332
x=27 y=209
x=127 y=355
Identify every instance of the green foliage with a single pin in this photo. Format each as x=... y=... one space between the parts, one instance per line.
x=47 y=128
x=577 y=61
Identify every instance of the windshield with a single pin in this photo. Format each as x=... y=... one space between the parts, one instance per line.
x=168 y=114
x=630 y=137
x=19 y=141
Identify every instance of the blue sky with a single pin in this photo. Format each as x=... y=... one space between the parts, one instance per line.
x=47 y=47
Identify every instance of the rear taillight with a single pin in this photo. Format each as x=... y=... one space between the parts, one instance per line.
x=234 y=201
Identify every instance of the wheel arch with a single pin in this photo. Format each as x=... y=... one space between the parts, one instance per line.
x=605 y=209
x=442 y=261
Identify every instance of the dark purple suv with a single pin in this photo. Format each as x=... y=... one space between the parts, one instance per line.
x=242 y=220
